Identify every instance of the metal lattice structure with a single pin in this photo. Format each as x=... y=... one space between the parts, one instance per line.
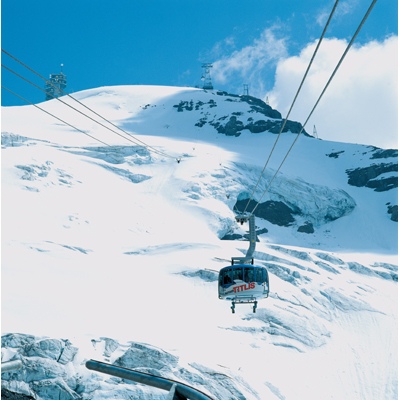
x=55 y=85
x=245 y=89
x=315 y=132
x=206 y=76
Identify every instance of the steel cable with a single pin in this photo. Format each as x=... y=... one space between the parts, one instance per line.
x=94 y=112
x=97 y=122
x=55 y=116
x=294 y=100
x=319 y=98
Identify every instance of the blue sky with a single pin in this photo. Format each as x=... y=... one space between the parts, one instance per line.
x=103 y=43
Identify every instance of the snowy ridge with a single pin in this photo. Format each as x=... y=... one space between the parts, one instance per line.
x=113 y=252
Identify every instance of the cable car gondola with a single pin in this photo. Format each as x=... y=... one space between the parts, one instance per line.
x=242 y=281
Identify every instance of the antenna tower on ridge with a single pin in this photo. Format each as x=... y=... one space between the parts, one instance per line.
x=315 y=132
x=266 y=100
x=206 y=76
x=55 y=84
x=245 y=89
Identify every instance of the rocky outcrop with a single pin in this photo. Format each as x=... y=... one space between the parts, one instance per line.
x=276 y=212
x=260 y=116
x=293 y=202
x=257 y=105
x=9 y=395
x=380 y=153
x=236 y=236
x=367 y=177
x=393 y=211
x=234 y=126
x=306 y=228
x=335 y=154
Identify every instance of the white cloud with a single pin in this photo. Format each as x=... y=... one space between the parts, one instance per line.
x=359 y=106
x=346 y=7
x=250 y=62
x=343 y=8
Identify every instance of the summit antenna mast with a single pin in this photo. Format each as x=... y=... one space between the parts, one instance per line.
x=206 y=76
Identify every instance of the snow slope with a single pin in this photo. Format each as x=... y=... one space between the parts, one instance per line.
x=116 y=241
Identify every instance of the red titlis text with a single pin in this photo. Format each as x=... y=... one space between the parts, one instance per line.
x=241 y=288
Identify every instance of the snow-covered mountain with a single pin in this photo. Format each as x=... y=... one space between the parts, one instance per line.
x=111 y=250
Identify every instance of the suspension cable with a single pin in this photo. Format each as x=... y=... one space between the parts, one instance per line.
x=97 y=122
x=294 y=100
x=322 y=93
x=55 y=116
x=116 y=126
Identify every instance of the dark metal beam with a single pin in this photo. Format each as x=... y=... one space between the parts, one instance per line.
x=180 y=392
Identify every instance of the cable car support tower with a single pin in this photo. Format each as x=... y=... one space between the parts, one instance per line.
x=248 y=259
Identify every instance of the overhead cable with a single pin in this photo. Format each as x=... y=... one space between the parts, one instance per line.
x=75 y=108
x=294 y=100
x=55 y=116
x=94 y=112
x=319 y=98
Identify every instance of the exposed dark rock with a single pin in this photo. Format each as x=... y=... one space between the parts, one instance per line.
x=184 y=105
x=365 y=177
x=306 y=228
x=236 y=236
x=223 y=93
x=335 y=155
x=234 y=126
x=261 y=126
x=261 y=231
x=7 y=394
x=188 y=105
x=201 y=122
x=260 y=106
x=379 y=153
x=276 y=212
x=394 y=213
x=233 y=236
x=199 y=104
x=231 y=128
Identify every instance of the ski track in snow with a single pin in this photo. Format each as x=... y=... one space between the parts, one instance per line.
x=118 y=249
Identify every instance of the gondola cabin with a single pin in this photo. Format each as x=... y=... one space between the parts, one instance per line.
x=243 y=283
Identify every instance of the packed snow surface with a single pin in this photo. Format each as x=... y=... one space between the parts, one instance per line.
x=111 y=251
